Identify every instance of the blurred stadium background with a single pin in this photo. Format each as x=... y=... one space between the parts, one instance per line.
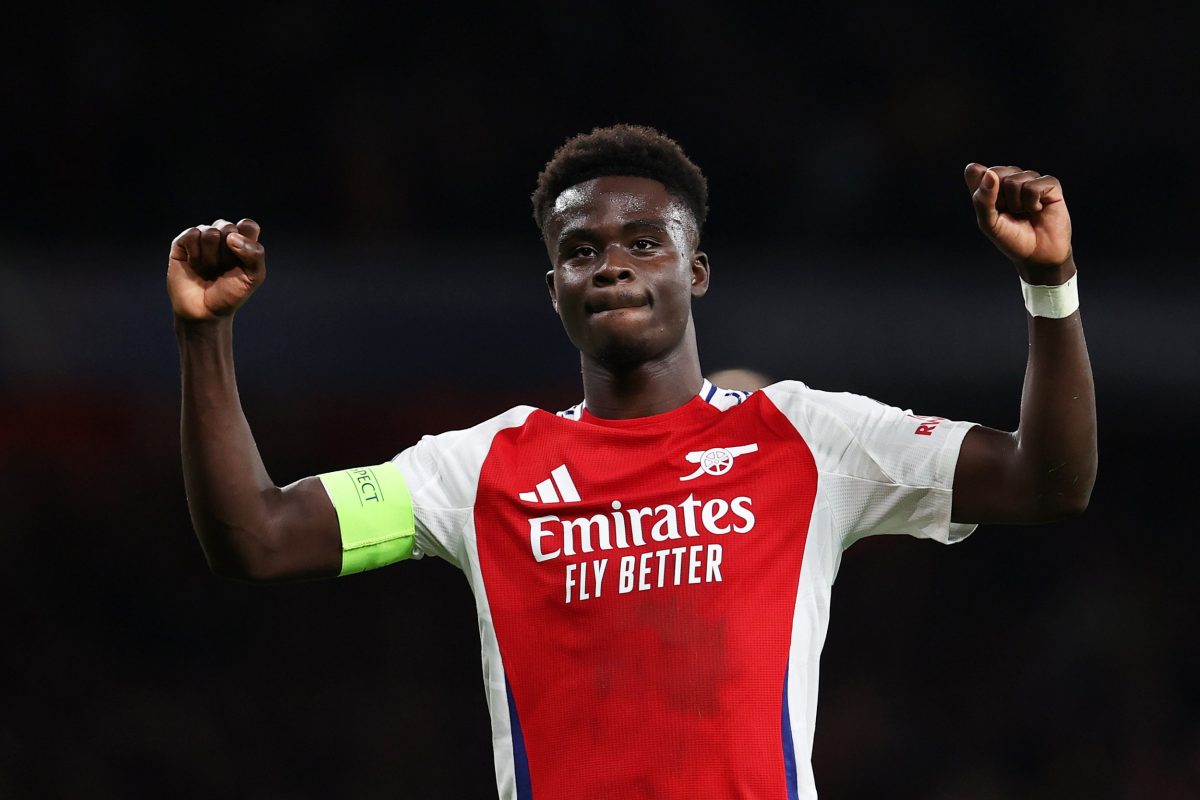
x=389 y=156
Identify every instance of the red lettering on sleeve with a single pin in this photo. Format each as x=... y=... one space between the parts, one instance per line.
x=927 y=426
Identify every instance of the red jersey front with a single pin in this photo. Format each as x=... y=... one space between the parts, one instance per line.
x=653 y=593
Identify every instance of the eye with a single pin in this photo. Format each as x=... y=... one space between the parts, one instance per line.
x=583 y=251
x=644 y=244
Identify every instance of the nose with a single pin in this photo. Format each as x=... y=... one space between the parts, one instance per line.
x=613 y=268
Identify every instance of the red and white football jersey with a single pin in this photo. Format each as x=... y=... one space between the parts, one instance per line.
x=653 y=593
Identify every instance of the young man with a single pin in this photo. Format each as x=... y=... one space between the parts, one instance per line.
x=652 y=568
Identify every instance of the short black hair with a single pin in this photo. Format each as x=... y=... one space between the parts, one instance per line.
x=635 y=150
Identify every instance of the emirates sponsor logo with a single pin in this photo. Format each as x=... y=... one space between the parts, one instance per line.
x=681 y=562
x=552 y=536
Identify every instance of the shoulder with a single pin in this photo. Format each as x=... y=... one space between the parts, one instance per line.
x=798 y=394
x=813 y=409
x=818 y=408
x=844 y=431
x=465 y=446
x=482 y=432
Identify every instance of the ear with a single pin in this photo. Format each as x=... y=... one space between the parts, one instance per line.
x=700 y=274
x=553 y=291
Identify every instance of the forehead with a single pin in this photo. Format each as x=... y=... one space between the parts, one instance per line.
x=612 y=200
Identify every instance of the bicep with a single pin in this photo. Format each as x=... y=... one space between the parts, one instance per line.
x=985 y=490
x=305 y=539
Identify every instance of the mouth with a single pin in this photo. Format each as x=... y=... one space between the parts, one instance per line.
x=621 y=301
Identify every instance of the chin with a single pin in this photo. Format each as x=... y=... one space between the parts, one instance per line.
x=626 y=351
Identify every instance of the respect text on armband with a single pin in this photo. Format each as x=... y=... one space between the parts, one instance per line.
x=662 y=538
x=366 y=484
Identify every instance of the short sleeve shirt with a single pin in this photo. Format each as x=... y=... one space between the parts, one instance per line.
x=653 y=593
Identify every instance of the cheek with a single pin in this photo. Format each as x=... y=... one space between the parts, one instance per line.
x=569 y=290
x=678 y=290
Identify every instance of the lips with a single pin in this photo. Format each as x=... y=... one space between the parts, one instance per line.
x=598 y=304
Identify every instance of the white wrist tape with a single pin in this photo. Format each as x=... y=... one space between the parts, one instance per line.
x=1054 y=302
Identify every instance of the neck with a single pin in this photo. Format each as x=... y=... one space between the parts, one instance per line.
x=646 y=388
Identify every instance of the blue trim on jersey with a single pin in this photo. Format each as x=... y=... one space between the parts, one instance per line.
x=708 y=392
x=789 y=750
x=520 y=760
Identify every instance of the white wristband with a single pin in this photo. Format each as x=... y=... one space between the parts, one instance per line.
x=1054 y=302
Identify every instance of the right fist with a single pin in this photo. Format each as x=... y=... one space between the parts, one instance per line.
x=213 y=269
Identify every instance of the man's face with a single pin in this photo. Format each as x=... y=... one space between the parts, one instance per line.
x=625 y=268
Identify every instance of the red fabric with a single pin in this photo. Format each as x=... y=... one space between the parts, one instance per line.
x=671 y=692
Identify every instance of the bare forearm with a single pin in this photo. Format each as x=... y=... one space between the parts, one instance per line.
x=247 y=526
x=1046 y=468
x=1056 y=439
x=228 y=487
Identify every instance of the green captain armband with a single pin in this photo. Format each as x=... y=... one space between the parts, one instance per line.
x=375 y=514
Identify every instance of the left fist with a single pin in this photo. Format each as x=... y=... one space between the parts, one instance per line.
x=1024 y=214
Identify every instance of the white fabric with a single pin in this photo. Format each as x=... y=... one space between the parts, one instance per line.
x=443 y=474
x=880 y=474
x=1054 y=302
x=876 y=475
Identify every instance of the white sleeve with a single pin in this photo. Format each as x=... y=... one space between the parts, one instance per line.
x=442 y=474
x=884 y=470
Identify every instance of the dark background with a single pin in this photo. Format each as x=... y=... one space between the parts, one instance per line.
x=388 y=156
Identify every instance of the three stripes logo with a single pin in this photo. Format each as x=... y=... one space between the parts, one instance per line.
x=558 y=488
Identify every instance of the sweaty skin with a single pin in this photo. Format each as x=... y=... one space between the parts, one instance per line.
x=625 y=270
x=625 y=273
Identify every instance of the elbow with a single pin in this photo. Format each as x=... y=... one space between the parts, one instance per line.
x=244 y=556
x=242 y=571
x=244 y=544
x=1055 y=492
x=1058 y=504
x=1064 y=508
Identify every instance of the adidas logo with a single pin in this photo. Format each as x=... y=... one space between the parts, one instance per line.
x=558 y=485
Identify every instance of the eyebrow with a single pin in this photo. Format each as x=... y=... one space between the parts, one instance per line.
x=645 y=222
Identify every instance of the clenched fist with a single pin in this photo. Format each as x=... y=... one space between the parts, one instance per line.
x=1025 y=215
x=213 y=269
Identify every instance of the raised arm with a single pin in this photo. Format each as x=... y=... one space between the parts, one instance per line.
x=1046 y=468
x=250 y=529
